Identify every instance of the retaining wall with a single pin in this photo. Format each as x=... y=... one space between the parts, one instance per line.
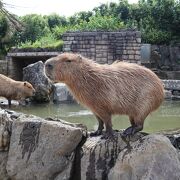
x=105 y=47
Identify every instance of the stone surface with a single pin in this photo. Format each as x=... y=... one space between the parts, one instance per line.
x=41 y=149
x=3 y=162
x=61 y=94
x=150 y=157
x=171 y=84
x=5 y=130
x=105 y=47
x=34 y=73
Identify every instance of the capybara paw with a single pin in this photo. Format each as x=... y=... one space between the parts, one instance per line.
x=128 y=132
x=96 y=133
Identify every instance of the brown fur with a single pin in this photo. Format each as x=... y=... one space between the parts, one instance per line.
x=119 y=88
x=15 y=90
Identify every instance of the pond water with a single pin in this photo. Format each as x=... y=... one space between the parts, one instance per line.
x=165 y=118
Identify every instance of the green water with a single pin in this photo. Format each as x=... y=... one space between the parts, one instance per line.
x=165 y=118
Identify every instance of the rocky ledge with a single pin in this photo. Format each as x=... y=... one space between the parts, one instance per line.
x=32 y=148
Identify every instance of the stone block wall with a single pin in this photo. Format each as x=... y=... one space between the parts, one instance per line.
x=105 y=47
x=3 y=67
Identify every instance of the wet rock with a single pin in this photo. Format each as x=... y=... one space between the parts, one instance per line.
x=61 y=94
x=3 y=162
x=34 y=73
x=148 y=157
x=100 y=155
x=151 y=158
x=5 y=130
x=41 y=149
x=4 y=102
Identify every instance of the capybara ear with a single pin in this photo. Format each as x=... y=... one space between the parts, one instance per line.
x=25 y=83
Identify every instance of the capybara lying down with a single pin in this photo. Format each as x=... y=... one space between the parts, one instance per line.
x=119 y=88
x=15 y=90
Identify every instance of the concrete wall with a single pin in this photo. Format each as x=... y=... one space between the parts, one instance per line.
x=105 y=47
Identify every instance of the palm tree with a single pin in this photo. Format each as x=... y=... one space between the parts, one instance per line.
x=12 y=20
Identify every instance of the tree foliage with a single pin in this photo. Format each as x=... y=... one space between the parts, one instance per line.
x=158 y=21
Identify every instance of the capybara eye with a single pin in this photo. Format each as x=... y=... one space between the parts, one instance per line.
x=68 y=61
x=49 y=66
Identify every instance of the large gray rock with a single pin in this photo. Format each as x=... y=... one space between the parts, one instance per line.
x=3 y=162
x=61 y=94
x=34 y=73
x=41 y=149
x=150 y=157
x=53 y=149
x=5 y=130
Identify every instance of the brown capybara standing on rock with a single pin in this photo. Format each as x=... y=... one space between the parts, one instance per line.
x=15 y=90
x=119 y=88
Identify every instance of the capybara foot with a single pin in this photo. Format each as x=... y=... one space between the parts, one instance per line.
x=96 y=133
x=128 y=132
x=132 y=130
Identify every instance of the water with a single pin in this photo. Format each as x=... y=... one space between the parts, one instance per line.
x=165 y=118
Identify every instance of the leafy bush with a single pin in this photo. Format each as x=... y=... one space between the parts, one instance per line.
x=100 y=22
x=155 y=36
x=48 y=42
x=97 y=22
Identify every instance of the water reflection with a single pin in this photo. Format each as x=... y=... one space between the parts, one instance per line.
x=166 y=117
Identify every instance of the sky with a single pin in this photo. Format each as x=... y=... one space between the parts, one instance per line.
x=61 y=7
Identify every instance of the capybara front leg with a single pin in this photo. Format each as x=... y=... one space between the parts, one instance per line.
x=132 y=130
x=109 y=134
x=100 y=127
x=9 y=102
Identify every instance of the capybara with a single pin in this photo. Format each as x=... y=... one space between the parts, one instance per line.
x=15 y=90
x=119 y=88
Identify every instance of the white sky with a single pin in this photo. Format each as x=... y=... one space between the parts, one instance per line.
x=61 y=7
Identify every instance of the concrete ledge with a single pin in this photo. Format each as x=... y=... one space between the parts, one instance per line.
x=32 y=54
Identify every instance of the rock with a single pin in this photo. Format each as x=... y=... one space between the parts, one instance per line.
x=150 y=157
x=171 y=84
x=5 y=130
x=34 y=73
x=99 y=156
x=3 y=161
x=41 y=149
x=168 y=94
x=61 y=94
x=54 y=149
x=4 y=102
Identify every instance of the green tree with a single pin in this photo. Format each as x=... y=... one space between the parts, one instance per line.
x=56 y=20
x=35 y=26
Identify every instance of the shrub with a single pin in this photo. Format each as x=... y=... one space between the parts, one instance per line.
x=155 y=36
x=48 y=42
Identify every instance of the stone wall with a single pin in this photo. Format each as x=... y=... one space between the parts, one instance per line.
x=105 y=47
x=3 y=67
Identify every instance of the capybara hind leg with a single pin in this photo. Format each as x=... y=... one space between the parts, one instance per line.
x=132 y=129
x=100 y=127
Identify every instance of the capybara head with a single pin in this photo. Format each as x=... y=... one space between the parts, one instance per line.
x=28 y=89
x=62 y=67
